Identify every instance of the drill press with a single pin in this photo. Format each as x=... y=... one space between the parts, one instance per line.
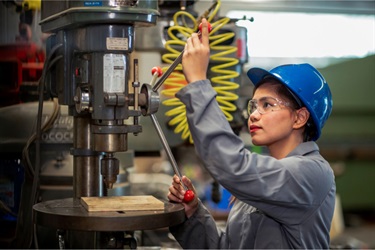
x=93 y=41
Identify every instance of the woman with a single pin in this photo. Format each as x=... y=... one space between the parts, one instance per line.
x=282 y=200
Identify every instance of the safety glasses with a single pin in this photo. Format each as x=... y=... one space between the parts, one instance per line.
x=265 y=105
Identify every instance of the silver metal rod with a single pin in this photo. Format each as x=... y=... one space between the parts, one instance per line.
x=167 y=148
x=171 y=68
x=168 y=72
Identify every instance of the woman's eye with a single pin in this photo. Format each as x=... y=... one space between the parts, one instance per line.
x=267 y=105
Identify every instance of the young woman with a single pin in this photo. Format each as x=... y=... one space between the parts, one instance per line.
x=284 y=199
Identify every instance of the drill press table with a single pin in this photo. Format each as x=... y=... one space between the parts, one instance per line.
x=69 y=214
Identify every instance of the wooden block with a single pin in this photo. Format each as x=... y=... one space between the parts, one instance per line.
x=122 y=203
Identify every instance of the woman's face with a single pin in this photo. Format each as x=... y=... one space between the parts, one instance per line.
x=272 y=127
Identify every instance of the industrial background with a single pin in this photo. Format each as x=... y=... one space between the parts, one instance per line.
x=66 y=132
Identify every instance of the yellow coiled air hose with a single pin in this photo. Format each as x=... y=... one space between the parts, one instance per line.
x=222 y=74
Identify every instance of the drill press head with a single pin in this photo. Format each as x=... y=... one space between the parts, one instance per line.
x=96 y=39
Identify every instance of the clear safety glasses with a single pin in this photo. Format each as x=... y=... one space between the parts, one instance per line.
x=265 y=105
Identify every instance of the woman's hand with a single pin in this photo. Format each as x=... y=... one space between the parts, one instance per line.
x=177 y=193
x=197 y=55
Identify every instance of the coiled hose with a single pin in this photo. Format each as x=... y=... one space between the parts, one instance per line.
x=222 y=74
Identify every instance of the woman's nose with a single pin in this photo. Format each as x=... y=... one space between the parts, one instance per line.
x=255 y=115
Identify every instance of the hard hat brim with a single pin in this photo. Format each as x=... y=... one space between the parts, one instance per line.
x=256 y=75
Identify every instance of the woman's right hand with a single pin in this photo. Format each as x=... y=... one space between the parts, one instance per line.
x=177 y=192
x=197 y=55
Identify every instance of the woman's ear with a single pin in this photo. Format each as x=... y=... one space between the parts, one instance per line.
x=302 y=117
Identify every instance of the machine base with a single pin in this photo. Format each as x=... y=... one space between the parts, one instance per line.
x=69 y=214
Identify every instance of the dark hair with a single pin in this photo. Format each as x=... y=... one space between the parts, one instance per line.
x=295 y=102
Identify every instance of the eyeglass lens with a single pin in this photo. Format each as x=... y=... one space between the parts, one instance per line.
x=263 y=105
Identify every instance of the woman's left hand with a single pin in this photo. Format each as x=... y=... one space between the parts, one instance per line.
x=177 y=194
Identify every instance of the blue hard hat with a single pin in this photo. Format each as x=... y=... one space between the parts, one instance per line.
x=305 y=82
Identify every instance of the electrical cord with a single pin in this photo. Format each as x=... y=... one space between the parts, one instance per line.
x=25 y=231
x=46 y=126
x=221 y=83
x=34 y=192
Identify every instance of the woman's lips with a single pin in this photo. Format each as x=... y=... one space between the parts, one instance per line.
x=254 y=128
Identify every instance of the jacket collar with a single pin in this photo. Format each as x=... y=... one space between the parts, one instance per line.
x=305 y=148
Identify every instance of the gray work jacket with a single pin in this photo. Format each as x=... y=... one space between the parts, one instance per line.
x=286 y=203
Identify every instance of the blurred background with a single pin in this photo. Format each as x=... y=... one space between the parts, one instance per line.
x=337 y=37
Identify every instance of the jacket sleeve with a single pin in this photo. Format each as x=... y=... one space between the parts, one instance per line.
x=280 y=188
x=199 y=231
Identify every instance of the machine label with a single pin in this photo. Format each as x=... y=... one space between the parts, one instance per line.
x=114 y=66
x=117 y=43
x=93 y=3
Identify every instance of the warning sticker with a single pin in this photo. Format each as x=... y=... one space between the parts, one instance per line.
x=114 y=66
x=117 y=43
